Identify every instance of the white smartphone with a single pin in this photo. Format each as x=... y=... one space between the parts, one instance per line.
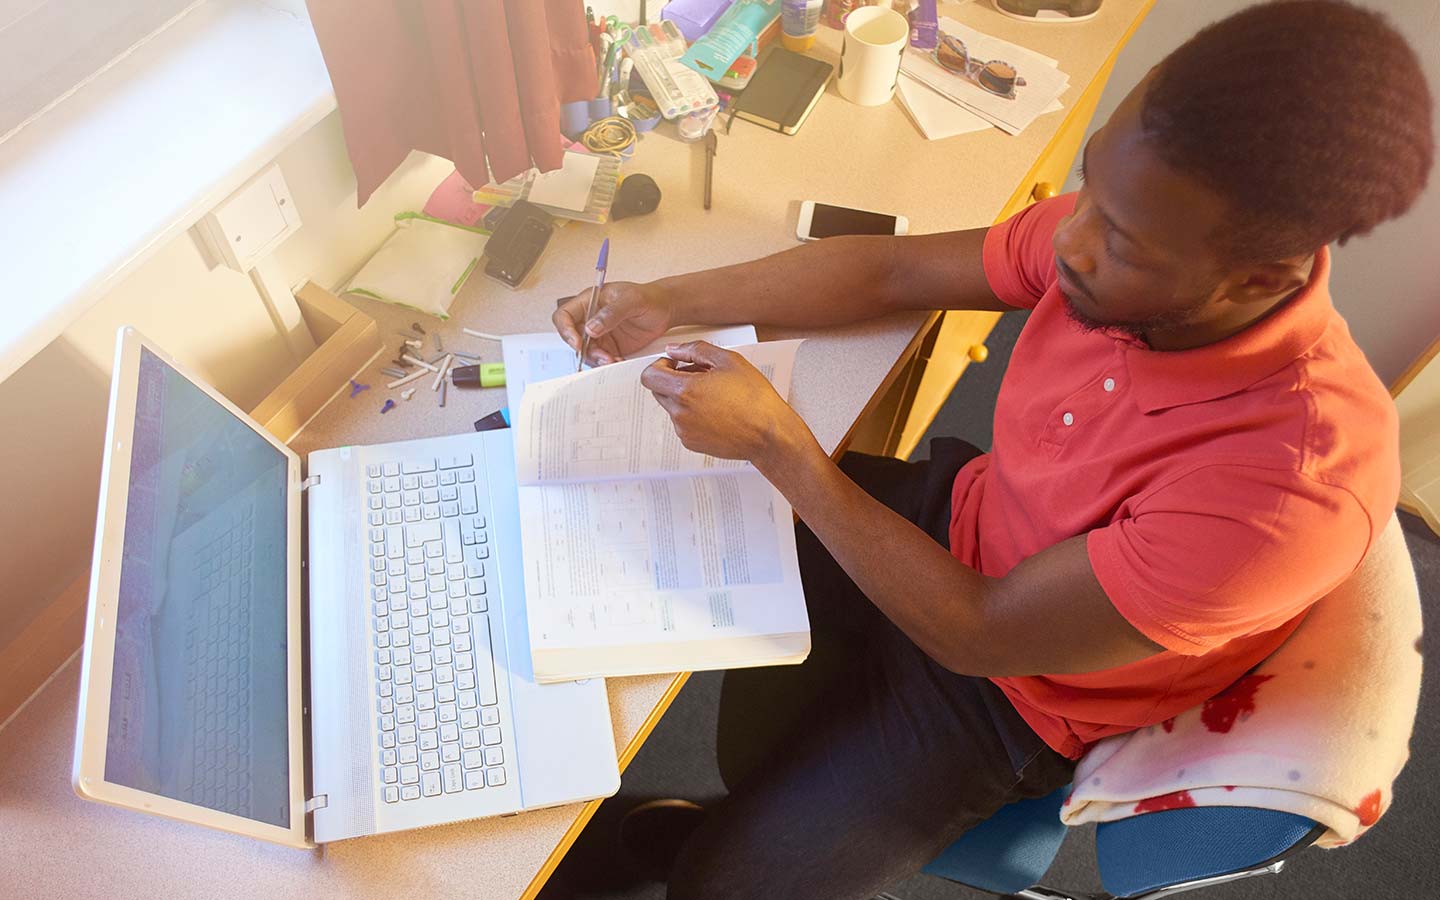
x=821 y=220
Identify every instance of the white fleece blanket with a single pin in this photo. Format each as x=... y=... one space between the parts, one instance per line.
x=1321 y=728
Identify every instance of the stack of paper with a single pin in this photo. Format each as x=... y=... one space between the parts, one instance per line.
x=924 y=78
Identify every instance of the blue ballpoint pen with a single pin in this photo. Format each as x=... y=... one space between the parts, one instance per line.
x=600 y=265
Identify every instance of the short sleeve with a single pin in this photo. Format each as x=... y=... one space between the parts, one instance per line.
x=1019 y=256
x=1228 y=551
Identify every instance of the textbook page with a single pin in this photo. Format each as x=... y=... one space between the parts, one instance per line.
x=683 y=573
x=542 y=356
x=604 y=424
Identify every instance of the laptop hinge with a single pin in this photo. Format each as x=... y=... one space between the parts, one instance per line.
x=315 y=803
x=310 y=482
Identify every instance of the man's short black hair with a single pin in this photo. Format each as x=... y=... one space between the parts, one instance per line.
x=1310 y=118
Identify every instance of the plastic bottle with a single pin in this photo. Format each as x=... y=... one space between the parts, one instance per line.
x=837 y=10
x=799 y=20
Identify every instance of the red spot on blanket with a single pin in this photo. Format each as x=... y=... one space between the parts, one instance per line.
x=1168 y=724
x=1176 y=800
x=1369 y=809
x=1067 y=801
x=1229 y=787
x=1236 y=702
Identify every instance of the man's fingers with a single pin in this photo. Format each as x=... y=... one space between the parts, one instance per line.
x=662 y=378
x=670 y=405
x=613 y=308
x=565 y=325
x=701 y=353
x=603 y=351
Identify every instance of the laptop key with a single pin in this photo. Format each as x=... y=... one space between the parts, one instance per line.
x=495 y=777
x=430 y=784
x=484 y=662
x=452 y=779
x=494 y=756
x=410 y=792
x=392 y=794
x=474 y=780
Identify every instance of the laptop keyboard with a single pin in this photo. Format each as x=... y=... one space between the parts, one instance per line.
x=218 y=689
x=436 y=699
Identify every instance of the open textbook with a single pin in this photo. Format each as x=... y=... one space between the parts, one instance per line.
x=642 y=556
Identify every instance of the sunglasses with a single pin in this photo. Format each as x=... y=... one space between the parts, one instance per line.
x=996 y=75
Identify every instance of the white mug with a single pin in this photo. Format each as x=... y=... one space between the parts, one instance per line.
x=875 y=36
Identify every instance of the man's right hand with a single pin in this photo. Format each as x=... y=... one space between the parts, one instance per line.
x=627 y=317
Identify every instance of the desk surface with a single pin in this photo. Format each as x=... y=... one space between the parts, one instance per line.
x=866 y=157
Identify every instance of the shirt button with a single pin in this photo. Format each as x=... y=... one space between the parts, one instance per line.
x=1068 y=419
x=1109 y=385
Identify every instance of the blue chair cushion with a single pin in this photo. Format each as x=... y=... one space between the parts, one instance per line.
x=1009 y=851
x=1160 y=849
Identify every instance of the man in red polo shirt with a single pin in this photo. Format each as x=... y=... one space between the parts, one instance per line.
x=1189 y=449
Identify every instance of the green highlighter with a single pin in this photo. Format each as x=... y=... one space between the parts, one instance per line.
x=486 y=375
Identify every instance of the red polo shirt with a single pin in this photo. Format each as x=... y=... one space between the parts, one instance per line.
x=1221 y=490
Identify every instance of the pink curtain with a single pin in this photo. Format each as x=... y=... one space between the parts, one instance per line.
x=478 y=82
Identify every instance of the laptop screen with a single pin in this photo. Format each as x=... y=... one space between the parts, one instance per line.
x=198 y=707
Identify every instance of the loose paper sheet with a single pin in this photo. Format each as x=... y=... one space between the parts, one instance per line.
x=568 y=187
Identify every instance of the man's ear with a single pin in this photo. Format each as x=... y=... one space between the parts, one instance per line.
x=1263 y=282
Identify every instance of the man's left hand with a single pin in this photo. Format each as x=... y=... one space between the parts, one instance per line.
x=721 y=405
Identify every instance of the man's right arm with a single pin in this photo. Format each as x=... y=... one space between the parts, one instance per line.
x=836 y=281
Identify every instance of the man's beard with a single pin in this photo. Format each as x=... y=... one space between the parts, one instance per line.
x=1140 y=330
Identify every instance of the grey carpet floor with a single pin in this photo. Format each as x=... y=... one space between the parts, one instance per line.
x=1393 y=860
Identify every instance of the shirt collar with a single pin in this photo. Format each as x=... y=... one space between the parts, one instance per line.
x=1162 y=379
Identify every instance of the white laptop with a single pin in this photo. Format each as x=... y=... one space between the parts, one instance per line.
x=380 y=683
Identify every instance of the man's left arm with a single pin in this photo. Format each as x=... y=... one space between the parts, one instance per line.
x=1047 y=615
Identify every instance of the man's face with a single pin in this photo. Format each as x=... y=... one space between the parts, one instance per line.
x=1136 y=255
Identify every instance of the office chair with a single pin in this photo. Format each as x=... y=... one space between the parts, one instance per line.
x=1147 y=856
x=1157 y=854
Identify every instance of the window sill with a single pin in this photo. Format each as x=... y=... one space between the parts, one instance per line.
x=137 y=155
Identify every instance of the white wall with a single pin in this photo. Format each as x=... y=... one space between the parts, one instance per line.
x=1387 y=284
x=212 y=320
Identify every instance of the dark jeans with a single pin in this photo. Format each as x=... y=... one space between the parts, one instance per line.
x=852 y=771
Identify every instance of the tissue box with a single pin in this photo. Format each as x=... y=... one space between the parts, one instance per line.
x=694 y=17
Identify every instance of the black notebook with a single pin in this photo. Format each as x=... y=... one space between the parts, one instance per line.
x=785 y=87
